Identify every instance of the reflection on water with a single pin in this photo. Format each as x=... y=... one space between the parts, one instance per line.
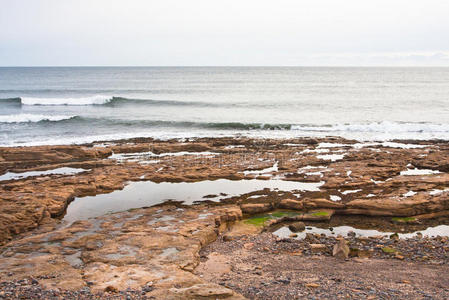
x=147 y=193
x=58 y=171
x=441 y=230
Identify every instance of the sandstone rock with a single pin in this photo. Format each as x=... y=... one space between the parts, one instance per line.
x=341 y=249
x=150 y=245
x=254 y=208
x=205 y=291
x=322 y=203
x=291 y=204
x=297 y=227
x=316 y=248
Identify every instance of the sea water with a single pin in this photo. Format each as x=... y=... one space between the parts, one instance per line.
x=65 y=105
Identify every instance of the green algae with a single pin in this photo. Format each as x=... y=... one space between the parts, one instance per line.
x=320 y=213
x=388 y=250
x=403 y=219
x=259 y=220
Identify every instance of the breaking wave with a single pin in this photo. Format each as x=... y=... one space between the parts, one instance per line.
x=98 y=100
x=375 y=127
x=33 y=118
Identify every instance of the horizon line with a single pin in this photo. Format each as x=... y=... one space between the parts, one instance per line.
x=223 y=66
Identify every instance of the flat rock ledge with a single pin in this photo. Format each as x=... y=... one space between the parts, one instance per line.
x=154 y=248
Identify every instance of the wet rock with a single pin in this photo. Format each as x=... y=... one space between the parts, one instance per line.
x=291 y=204
x=254 y=208
x=351 y=234
x=297 y=227
x=322 y=203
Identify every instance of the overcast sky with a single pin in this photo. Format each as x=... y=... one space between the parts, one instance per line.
x=226 y=32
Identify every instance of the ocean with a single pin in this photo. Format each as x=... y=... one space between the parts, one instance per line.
x=72 y=105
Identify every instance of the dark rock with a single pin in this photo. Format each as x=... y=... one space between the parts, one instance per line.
x=297 y=227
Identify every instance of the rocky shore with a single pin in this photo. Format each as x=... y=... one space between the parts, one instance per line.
x=168 y=250
x=266 y=267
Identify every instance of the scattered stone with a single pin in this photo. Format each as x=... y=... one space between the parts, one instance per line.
x=316 y=248
x=341 y=249
x=297 y=227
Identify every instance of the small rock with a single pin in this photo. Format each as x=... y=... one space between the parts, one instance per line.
x=227 y=238
x=318 y=248
x=351 y=234
x=312 y=285
x=110 y=289
x=248 y=246
x=398 y=256
x=341 y=249
x=297 y=227
x=394 y=236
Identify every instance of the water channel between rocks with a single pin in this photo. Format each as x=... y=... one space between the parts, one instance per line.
x=147 y=193
x=284 y=232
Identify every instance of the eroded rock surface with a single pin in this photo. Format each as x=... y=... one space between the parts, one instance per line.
x=155 y=246
x=155 y=250
x=354 y=178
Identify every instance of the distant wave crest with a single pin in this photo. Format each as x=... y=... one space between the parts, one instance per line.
x=98 y=100
x=33 y=118
x=375 y=127
x=91 y=100
x=382 y=127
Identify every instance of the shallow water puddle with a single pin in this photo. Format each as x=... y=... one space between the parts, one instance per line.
x=137 y=156
x=273 y=168
x=58 y=171
x=147 y=193
x=331 y=157
x=284 y=232
x=411 y=172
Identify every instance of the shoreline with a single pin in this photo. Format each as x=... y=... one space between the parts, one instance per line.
x=403 y=181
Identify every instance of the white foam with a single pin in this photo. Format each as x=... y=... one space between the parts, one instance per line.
x=32 y=118
x=91 y=100
x=383 y=127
